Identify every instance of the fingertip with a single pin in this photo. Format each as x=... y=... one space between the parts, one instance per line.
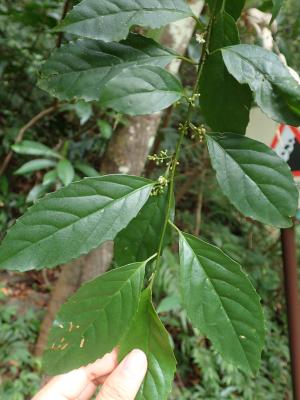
x=126 y=379
x=103 y=366
x=135 y=360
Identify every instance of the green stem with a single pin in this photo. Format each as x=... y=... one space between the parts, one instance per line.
x=187 y=59
x=178 y=148
x=199 y=24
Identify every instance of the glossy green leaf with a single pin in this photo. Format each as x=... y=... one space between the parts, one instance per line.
x=110 y=20
x=141 y=90
x=29 y=147
x=224 y=32
x=235 y=7
x=277 y=4
x=81 y=69
x=232 y=7
x=225 y=103
x=256 y=181
x=276 y=92
x=93 y=320
x=147 y=333
x=140 y=239
x=35 y=165
x=65 y=172
x=221 y=302
x=86 y=169
x=72 y=221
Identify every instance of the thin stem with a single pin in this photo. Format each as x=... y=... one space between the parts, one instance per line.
x=178 y=148
x=199 y=24
x=24 y=129
x=64 y=13
x=187 y=59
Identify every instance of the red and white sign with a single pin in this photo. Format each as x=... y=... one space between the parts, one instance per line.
x=286 y=144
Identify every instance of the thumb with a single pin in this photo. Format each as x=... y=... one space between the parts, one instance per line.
x=125 y=381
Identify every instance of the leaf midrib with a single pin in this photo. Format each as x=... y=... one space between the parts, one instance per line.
x=117 y=293
x=72 y=223
x=135 y=11
x=256 y=68
x=121 y=64
x=251 y=179
x=220 y=300
x=102 y=309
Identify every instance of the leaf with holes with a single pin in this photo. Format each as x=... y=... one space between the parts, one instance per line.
x=276 y=92
x=110 y=20
x=141 y=90
x=256 y=181
x=221 y=302
x=225 y=103
x=81 y=69
x=93 y=320
x=147 y=333
x=140 y=239
x=72 y=221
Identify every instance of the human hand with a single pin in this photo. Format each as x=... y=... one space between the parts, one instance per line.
x=120 y=382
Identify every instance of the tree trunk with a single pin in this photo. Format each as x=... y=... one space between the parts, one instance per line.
x=127 y=153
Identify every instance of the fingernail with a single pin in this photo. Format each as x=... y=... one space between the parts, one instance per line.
x=136 y=360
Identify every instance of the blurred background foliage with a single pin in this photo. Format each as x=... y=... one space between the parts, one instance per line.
x=79 y=134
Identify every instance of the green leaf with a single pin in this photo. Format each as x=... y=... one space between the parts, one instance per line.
x=86 y=169
x=277 y=4
x=65 y=172
x=224 y=102
x=256 y=181
x=169 y=303
x=72 y=221
x=81 y=69
x=50 y=178
x=110 y=20
x=84 y=111
x=140 y=239
x=35 y=165
x=276 y=92
x=221 y=302
x=224 y=32
x=93 y=320
x=141 y=90
x=29 y=147
x=105 y=129
x=148 y=334
x=232 y=7
x=35 y=193
x=235 y=7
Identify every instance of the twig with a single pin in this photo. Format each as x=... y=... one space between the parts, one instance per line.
x=198 y=216
x=64 y=13
x=22 y=131
x=165 y=123
x=173 y=165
